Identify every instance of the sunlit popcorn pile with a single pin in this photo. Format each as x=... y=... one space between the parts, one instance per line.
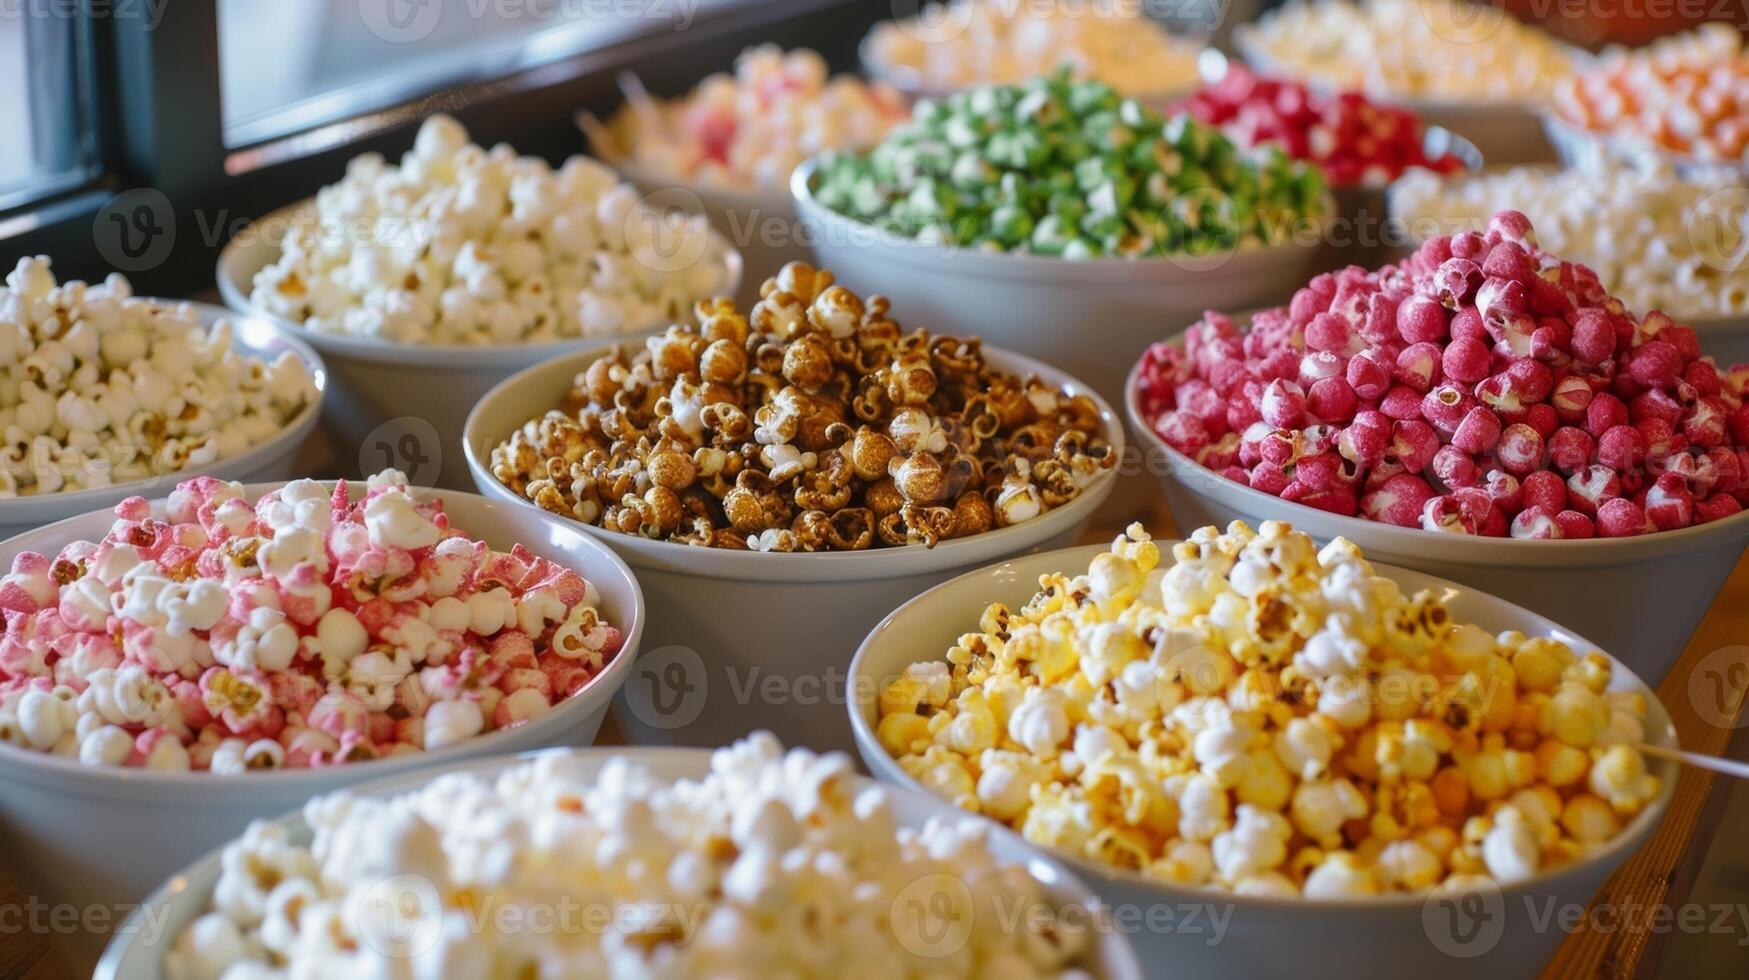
x=977 y=42
x=307 y=629
x=1271 y=719
x=773 y=865
x=1483 y=386
x=1435 y=49
x=99 y=387
x=749 y=129
x=1656 y=240
x=464 y=245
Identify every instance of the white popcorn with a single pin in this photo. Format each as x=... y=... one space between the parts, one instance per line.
x=1510 y=848
x=266 y=642
x=98 y=388
x=1256 y=844
x=449 y=722
x=459 y=245
x=1340 y=875
x=1041 y=722
x=774 y=863
x=105 y=745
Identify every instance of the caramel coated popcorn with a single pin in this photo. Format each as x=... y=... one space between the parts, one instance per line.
x=812 y=422
x=1267 y=718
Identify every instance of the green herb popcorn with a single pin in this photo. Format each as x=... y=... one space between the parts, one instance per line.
x=1072 y=169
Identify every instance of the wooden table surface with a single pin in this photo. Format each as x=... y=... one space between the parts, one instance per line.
x=1662 y=873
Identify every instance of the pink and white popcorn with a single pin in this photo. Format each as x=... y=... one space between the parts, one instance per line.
x=749 y=129
x=1482 y=386
x=772 y=863
x=310 y=628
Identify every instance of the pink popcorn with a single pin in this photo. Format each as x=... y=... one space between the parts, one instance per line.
x=1620 y=517
x=1399 y=501
x=258 y=657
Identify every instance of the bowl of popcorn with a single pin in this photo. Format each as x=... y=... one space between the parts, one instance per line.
x=967 y=43
x=1675 y=100
x=781 y=478
x=172 y=670
x=1360 y=145
x=425 y=283
x=1061 y=220
x=696 y=863
x=1657 y=239
x=726 y=148
x=1470 y=68
x=1318 y=751
x=109 y=395
x=1484 y=411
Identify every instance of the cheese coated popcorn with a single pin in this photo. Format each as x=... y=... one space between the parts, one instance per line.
x=1656 y=239
x=812 y=422
x=99 y=387
x=978 y=42
x=464 y=245
x=311 y=628
x=1269 y=718
x=749 y=129
x=1435 y=49
x=773 y=864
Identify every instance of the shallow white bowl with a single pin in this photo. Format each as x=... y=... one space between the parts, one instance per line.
x=108 y=836
x=1646 y=593
x=275 y=459
x=401 y=405
x=1401 y=936
x=137 y=954
x=742 y=640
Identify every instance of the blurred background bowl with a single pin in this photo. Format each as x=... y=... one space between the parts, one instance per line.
x=401 y=404
x=1409 y=935
x=742 y=640
x=108 y=836
x=138 y=952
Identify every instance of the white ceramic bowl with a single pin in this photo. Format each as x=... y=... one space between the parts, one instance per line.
x=399 y=404
x=1399 y=936
x=1089 y=318
x=275 y=459
x=108 y=836
x=137 y=954
x=742 y=640
x=1646 y=593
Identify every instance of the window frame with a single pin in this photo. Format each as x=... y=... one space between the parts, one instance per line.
x=160 y=127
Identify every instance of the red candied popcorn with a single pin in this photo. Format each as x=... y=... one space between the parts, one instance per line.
x=1481 y=386
x=1353 y=140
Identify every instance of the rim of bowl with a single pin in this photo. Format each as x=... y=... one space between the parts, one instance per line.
x=1640 y=827
x=1251 y=52
x=1073 y=887
x=236 y=295
x=834 y=566
x=1460 y=549
x=292 y=432
x=1244 y=261
x=1569 y=138
x=57 y=766
x=908 y=81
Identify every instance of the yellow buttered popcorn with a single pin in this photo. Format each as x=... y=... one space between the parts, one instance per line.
x=1268 y=717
